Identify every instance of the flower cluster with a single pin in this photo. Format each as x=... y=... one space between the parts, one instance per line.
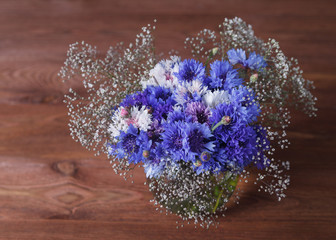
x=200 y=128
x=185 y=114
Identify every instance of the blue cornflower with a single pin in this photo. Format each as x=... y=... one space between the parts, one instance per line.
x=236 y=150
x=172 y=140
x=223 y=76
x=157 y=94
x=242 y=147
x=160 y=101
x=236 y=56
x=244 y=98
x=155 y=161
x=190 y=70
x=131 y=144
x=197 y=139
x=254 y=61
x=237 y=119
x=161 y=111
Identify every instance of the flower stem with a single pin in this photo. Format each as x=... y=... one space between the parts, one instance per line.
x=217 y=202
x=216 y=126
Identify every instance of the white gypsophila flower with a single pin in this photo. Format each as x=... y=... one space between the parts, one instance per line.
x=118 y=122
x=163 y=74
x=212 y=99
x=140 y=118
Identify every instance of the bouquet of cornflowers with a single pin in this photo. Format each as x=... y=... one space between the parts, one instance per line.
x=197 y=126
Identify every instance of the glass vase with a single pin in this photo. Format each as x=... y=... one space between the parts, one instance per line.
x=188 y=194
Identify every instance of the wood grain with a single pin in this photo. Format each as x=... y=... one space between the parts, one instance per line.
x=51 y=188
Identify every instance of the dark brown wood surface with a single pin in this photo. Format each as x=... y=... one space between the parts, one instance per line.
x=51 y=188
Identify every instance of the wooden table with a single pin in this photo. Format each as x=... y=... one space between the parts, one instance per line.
x=51 y=188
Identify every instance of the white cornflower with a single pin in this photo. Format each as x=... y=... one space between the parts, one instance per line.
x=163 y=74
x=122 y=118
x=118 y=122
x=197 y=87
x=212 y=99
x=140 y=118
